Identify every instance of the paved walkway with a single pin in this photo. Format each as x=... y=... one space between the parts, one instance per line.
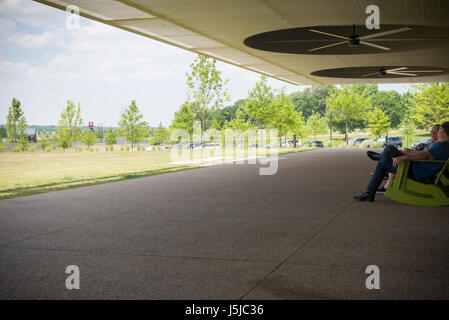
x=225 y=232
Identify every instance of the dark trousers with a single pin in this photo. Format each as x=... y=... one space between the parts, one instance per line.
x=384 y=165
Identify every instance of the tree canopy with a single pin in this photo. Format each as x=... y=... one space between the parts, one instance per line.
x=132 y=127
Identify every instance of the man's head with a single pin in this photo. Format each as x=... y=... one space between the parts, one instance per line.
x=434 y=132
x=443 y=132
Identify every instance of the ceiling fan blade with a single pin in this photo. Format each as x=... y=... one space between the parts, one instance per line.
x=407 y=39
x=402 y=74
x=417 y=71
x=330 y=45
x=374 y=45
x=300 y=40
x=385 y=33
x=397 y=69
x=370 y=74
x=329 y=34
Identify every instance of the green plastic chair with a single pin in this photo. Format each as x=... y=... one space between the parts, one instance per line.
x=406 y=190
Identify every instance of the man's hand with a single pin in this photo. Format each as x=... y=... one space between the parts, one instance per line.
x=398 y=160
x=406 y=150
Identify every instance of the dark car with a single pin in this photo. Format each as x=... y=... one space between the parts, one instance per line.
x=359 y=141
x=315 y=143
x=391 y=141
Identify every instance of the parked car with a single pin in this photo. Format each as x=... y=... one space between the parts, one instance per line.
x=356 y=141
x=315 y=143
x=212 y=146
x=298 y=143
x=391 y=141
x=194 y=145
x=178 y=146
x=424 y=141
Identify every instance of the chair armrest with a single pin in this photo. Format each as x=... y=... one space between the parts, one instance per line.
x=439 y=161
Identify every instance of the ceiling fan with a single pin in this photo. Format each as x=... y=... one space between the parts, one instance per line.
x=402 y=71
x=354 y=40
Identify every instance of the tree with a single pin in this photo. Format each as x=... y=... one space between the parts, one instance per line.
x=15 y=121
x=207 y=88
x=430 y=103
x=3 y=132
x=131 y=124
x=110 y=137
x=161 y=134
x=184 y=118
x=347 y=105
x=44 y=140
x=312 y=100
x=390 y=103
x=379 y=122
x=408 y=126
x=226 y=114
x=316 y=124
x=284 y=116
x=89 y=138
x=100 y=133
x=69 y=126
x=258 y=109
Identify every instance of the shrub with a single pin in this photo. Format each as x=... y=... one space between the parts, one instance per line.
x=111 y=148
x=2 y=148
x=31 y=149
x=48 y=149
x=128 y=148
x=98 y=149
x=91 y=150
x=376 y=144
x=121 y=149
x=16 y=149
x=107 y=148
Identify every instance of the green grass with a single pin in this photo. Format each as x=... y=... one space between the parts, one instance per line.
x=28 y=173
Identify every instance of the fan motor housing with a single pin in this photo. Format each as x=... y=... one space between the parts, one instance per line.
x=354 y=42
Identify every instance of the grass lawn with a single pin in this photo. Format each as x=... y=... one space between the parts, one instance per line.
x=35 y=172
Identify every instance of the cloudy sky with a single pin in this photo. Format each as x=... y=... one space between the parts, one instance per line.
x=44 y=64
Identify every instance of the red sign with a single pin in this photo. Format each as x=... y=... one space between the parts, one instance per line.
x=91 y=124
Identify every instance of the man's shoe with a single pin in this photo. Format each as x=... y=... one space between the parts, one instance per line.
x=381 y=190
x=365 y=196
x=373 y=155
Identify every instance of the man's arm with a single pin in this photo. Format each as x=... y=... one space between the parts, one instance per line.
x=422 y=155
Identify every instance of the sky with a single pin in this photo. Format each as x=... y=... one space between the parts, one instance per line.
x=43 y=64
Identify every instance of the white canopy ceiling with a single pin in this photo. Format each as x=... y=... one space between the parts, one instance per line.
x=218 y=28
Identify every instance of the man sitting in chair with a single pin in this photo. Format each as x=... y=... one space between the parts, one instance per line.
x=420 y=147
x=419 y=171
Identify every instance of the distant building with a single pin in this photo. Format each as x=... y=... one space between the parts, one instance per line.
x=31 y=135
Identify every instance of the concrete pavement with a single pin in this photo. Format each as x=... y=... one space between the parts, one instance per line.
x=225 y=232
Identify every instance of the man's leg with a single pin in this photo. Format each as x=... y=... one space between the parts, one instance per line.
x=384 y=165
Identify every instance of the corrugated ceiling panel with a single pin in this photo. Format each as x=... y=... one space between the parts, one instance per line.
x=106 y=9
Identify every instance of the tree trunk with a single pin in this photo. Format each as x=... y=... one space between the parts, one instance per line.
x=346 y=132
x=330 y=125
x=280 y=137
